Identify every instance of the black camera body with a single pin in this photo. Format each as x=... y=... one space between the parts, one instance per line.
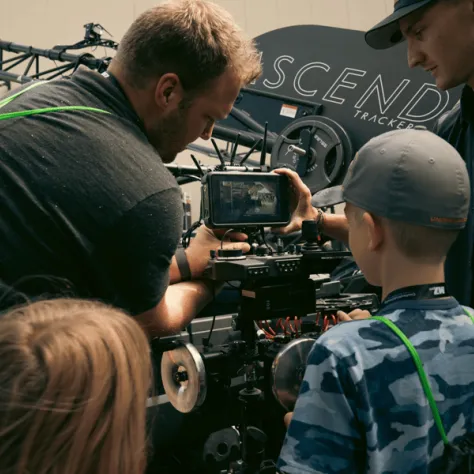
x=237 y=200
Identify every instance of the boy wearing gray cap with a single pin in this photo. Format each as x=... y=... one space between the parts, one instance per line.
x=387 y=394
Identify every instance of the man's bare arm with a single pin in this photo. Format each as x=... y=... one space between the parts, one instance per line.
x=335 y=226
x=175 y=275
x=178 y=307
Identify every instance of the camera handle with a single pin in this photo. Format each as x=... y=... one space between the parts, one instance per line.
x=253 y=439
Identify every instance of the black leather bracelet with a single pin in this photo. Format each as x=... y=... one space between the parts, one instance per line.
x=183 y=264
x=320 y=219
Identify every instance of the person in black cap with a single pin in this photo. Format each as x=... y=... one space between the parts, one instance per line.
x=440 y=39
x=363 y=404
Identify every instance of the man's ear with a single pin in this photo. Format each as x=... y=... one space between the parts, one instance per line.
x=375 y=231
x=470 y=5
x=169 y=91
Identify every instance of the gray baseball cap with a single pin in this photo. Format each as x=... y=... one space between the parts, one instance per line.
x=387 y=33
x=412 y=176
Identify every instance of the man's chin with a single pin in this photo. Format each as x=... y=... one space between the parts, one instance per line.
x=444 y=84
x=168 y=158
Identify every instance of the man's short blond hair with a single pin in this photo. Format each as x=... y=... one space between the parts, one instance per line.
x=195 y=39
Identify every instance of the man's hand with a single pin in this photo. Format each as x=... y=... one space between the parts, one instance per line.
x=353 y=315
x=198 y=252
x=300 y=204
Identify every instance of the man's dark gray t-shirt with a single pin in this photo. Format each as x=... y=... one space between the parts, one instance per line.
x=85 y=198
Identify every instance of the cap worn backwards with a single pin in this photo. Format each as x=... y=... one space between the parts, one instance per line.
x=412 y=176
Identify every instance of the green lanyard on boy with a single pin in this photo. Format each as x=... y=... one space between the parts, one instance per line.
x=457 y=458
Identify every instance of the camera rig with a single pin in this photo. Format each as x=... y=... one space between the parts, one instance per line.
x=278 y=321
x=286 y=302
x=285 y=305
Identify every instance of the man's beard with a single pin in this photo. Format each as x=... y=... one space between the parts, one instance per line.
x=168 y=135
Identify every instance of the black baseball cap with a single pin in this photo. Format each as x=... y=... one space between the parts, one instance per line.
x=387 y=33
x=410 y=176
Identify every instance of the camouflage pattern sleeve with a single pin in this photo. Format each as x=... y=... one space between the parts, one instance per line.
x=323 y=436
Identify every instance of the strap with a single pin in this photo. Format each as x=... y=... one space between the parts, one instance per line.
x=421 y=372
x=469 y=314
x=25 y=113
x=183 y=264
x=7 y=100
x=417 y=292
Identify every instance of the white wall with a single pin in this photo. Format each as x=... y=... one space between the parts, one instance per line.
x=45 y=23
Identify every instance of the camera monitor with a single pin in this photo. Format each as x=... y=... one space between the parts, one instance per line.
x=233 y=199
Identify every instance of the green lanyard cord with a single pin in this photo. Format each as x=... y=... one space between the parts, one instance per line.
x=421 y=372
x=25 y=113
x=14 y=96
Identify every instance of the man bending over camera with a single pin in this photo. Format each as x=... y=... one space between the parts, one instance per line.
x=86 y=198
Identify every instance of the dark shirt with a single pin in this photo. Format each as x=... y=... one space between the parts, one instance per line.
x=457 y=127
x=85 y=199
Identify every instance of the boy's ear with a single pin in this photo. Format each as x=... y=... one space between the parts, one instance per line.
x=375 y=231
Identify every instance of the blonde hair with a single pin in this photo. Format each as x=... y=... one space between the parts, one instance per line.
x=74 y=379
x=195 y=39
x=421 y=244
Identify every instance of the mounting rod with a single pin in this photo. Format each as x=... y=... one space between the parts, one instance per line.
x=54 y=55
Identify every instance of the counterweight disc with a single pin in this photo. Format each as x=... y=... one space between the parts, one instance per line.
x=288 y=371
x=184 y=378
